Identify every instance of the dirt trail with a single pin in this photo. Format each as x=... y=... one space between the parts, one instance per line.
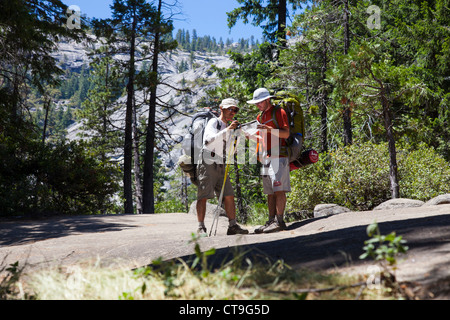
x=323 y=243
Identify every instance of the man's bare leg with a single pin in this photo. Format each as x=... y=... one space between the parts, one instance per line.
x=201 y=212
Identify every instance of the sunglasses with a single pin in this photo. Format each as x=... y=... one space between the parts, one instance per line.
x=235 y=110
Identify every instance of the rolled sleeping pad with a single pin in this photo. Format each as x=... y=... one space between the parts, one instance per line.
x=307 y=158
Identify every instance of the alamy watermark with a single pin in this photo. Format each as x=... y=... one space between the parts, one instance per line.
x=373 y=277
x=234 y=149
x=374 y=21
x=73 y=17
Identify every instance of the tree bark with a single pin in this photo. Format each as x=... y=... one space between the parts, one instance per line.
x=47 y=104
x=324 y=97
x=128 y=146
x=393 y=173
x=282 y=12
x=348 y=136
x=148 y=194
x=137 y=164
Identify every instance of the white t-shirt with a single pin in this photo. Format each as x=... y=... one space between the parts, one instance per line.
x=216 y=136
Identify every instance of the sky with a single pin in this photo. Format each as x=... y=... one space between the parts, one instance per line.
x=207 y=17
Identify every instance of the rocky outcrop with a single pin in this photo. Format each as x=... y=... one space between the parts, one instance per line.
x=442 y=199
x=399 y=203
x=408 y=203
x=324 y=210
x=210 y=209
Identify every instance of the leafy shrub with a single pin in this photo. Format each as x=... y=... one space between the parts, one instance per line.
x=258 y=213
x=358 y=177
x=76 y=183
x=424 y=174
x=169 y=206
x=310 y=186
x=46 y=179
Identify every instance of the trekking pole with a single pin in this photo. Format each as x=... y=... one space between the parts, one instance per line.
x=216 y=212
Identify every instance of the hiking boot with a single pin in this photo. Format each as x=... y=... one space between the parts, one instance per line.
x=275 y=226
x=236 y=229
x=262 y=228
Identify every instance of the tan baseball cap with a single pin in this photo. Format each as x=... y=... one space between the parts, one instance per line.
x=228 y=103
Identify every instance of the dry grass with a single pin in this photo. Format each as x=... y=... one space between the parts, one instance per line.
x=238 y=279
x=178 y=280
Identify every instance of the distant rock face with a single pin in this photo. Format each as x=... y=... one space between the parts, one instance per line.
x=399 y=203
x=199 y=79
x=324 y=210
x=72 y=55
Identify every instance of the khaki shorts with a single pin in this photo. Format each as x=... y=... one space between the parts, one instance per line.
x=210 y=181
x=276 y=176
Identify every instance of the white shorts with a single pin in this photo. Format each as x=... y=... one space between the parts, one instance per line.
x=276 y=176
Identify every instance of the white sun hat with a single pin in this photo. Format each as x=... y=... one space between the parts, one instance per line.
x=260 y=95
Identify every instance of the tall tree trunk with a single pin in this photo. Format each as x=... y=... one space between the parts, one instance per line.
x=282 y=12
x=324 y=97
x=148 y=196
x=128 y=147
x=184 y=192
x=348 y=134
x=104 y=118
x=393 y=174
x=137 y=164
x=323 y=126
x=47 y=104
x=348 y=137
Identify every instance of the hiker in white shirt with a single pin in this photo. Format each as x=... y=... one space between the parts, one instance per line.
x=211 y=171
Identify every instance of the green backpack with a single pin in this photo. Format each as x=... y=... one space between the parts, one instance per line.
x=294 y=111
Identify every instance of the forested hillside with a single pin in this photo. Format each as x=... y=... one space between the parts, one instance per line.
x=74 y=59
x=372 y=77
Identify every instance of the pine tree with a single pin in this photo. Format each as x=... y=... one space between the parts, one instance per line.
x=273 y=11
x=99 y=127
x=132 y=21
x=161 y=27
x=29 y=31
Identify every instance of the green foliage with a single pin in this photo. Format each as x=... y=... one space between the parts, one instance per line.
x=210 y=44
x=257 y=212
x=61 y=178
x=265 y=13
x=104 y=138
x=28 y=33
x=74 y=182
x=201 y=258
x=310 y=186
x=424 y=174
x=9 y=279
x=367 y=74
x=384 y=248
x=358 y=177
x=169 y=206
x=355 y=177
